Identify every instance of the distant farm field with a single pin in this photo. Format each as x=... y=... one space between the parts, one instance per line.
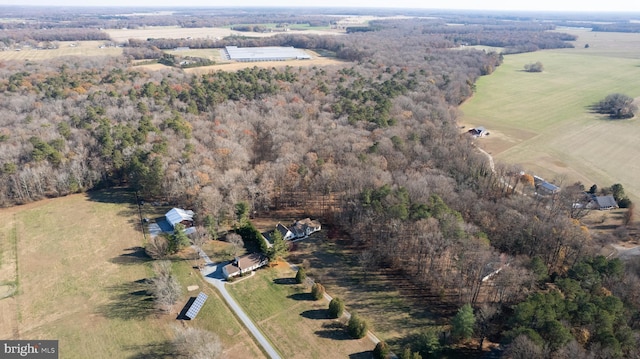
x=210 y=54
x=73 y=269
x=235 y=66
x=542 y=120
x=226 y=65
x=65 y=48
x=175 y=32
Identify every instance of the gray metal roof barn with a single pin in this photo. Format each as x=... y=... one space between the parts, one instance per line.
x=271 y=53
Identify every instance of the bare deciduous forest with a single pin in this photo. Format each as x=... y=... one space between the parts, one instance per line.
x=372 y=147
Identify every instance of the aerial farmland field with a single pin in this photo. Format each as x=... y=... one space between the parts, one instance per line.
x=71 y=269
x=542 y=121
x=65 y=48
x=175 y=32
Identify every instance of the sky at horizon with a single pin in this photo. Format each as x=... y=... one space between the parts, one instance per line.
x=539 y=5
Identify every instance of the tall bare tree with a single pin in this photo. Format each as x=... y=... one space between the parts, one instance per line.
x=194 y=343
x=164 y=287
x=236 y=242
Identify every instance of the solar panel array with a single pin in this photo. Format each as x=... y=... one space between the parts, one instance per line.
x=196 y=306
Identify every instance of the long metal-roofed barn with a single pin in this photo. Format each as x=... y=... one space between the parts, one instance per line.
x=270 y=53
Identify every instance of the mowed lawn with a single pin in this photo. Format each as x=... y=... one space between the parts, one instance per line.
x=542 y=121
x=296 y=325
x=215 y=316
x=80 y=274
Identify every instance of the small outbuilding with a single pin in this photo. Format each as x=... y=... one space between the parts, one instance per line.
x=478 y=132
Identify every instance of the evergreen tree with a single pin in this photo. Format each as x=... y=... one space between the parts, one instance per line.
x=336 y=308
x=211 y=226
x=381 y=351
x=317 y=291
x=357 y=327
x=463 y=323
x=279 y=249
x=301 y=276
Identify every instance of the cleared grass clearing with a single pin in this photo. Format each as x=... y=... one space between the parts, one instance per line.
x=395 y=308
x=80 y=270
x=542 y=120
x=295 y=324
x=482 y=48
x=274 y=27
x=209 y=54
x=80 y=48
x=316 y=60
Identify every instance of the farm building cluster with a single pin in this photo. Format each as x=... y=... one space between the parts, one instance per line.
x=588 y=201
x=240 y=265
x=269 y=53
x=298 y=230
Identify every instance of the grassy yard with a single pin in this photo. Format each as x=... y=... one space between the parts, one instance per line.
x=297 y=326
x=215 y=316
x=79 y=270
x=542 y=120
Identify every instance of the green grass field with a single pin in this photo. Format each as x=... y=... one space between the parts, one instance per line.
x=296 y=325
x=542 y=120
x=79 y=268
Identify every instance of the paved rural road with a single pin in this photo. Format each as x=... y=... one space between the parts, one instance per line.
x=212 y=273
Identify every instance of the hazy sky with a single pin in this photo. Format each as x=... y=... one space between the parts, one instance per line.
x=548 y=5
